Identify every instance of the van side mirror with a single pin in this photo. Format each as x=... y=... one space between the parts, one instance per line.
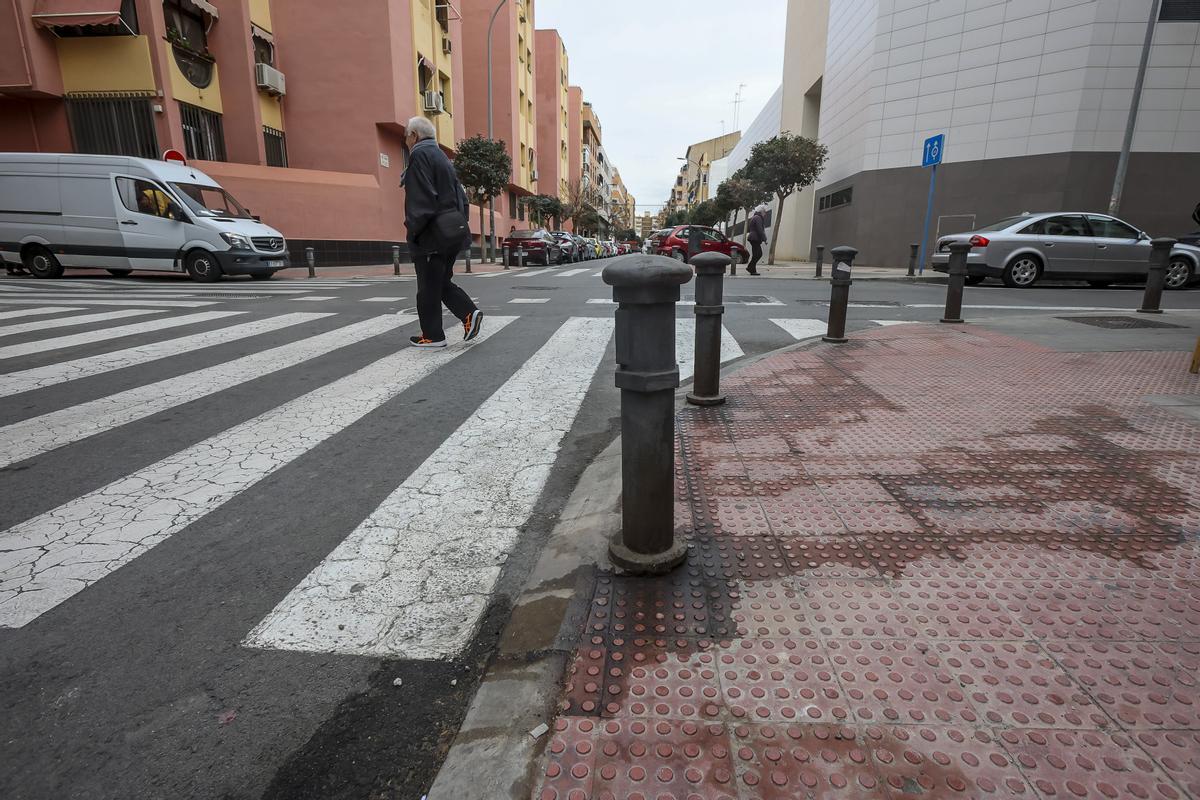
x=176 y=212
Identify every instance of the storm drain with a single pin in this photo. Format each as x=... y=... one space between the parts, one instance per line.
x=1120 y=323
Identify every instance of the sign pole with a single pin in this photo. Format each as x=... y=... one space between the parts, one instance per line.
x=928 y=216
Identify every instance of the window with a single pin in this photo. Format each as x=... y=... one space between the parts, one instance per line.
x=444 y=88
x=276 y=147
x=185 y=25
x=210 y=201
x=112 y=124
x=128 y=26
x=842 y=197
x=424 y=75
x=1058 y=226
x=264 y=51
x=442 y=12
x=1179 y=11
x=203 y=135
x=144 y=197
x=1109 y=228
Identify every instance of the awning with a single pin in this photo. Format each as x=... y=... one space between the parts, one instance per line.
x=205 y=6
x=261 y=33
x=59 y=13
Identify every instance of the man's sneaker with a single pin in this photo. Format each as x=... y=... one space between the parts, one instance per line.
x=421 y=341
x=472 y=325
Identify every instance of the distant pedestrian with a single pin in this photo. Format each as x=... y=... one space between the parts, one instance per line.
x=757 y=237
x=435 y=213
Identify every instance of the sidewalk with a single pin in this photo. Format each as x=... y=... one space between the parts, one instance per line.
x=937 y=561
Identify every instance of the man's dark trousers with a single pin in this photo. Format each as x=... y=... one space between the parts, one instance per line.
x=435 y=285
x=755 y=255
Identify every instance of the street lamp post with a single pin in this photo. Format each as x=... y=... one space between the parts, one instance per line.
x=491 y=201
x=1114 y=204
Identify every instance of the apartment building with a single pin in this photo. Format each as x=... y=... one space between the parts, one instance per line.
x=1033 y=98
x=575 y=157
x=257 y=98
x=553 y=113
x=692 y=182
x=624 y=206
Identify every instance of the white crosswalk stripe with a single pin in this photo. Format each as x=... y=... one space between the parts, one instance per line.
x=568 y=273
x=36 y=312
x=685 y=347
x=107 y=334
x=50 y=558
x=37 y=435
x=803 y=328
x=414 y=579
x=70 y=322
x=93 y=300
x=41 y=377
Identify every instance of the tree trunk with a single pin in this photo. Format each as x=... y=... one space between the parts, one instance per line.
x=746 y=227
x=482 y=236
x=736 y=211
x=492 y=235
x=775 y=236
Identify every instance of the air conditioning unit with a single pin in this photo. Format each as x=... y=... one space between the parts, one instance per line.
x=270 y=79
x=447 y=45
x=434 y=103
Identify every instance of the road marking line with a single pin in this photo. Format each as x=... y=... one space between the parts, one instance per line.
x=568 y=273
x=770 y=301
x=413 y=580
x=530 y=300
x=803 y=328
x=46 y=560
x=67 y=322
x=1025 y=308
x=530 y=274
x=314 y=298
x=36 y=312
x=16 y=288
x=380 y=299
x=685 y=347
x=41 y=377
x=87 y=300
x=105 y=334
x=37 y=435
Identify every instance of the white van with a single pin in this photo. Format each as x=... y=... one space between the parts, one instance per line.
x=120 y=214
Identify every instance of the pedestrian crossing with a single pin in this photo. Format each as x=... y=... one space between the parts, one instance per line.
x=413 y=575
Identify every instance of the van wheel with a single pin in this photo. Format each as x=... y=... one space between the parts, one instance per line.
x=202 y=267
x=1022 y=272
x=41 y=263
x=119 y=273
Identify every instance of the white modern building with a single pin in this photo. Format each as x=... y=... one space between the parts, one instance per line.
x=1032 y=95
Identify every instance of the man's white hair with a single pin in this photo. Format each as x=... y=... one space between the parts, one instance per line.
x=422 y=127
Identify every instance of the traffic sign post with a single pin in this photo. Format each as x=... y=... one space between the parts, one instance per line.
x=930 y=157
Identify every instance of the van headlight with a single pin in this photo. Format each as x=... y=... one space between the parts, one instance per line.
x=237 y=240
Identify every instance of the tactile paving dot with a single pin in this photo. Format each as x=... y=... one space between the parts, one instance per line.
x=898 y=681
x=658 y=759
x=783 y=681
x=781 y=762
x=944 y=762
x=571 y=760
x=1086 y=764
x=1017 y=684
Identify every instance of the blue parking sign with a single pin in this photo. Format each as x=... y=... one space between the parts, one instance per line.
x=934 y=146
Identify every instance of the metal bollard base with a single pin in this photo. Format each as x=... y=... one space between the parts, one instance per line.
x=646 y=563
x=952 y=321
x=1150 y=311
x=706 y=400
x=834 y=339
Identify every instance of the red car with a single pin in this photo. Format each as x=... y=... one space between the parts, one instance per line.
x=674 y=243
x=532 y=247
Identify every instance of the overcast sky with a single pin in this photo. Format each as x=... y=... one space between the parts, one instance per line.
x=662 y=74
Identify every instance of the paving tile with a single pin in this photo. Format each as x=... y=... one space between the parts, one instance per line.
x=658 y=759
x=681 y=685
x=781 y=762
x=571 y=760
x=1177 y=753
x=943 y=762
x=780 y=680
x=583 y=683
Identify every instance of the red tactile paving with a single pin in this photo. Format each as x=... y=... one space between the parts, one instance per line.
x=929 y=563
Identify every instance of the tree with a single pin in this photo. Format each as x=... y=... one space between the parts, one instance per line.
x=581 y=206
x=628 y=235
x=737 y=194
x=543 y=207
x=783 y=164
x=677 y=217
x=484 y=169
x=706 y=213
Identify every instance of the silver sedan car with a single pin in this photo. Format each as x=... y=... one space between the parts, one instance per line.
x=1073 y=246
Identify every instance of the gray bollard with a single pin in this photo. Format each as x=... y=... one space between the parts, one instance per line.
x=839 y=293
x=820 y=259
x=521 y=257
x=912 y=260
x=646 y=289
x=396 y=260
x=504 y=256
x=310 y=255
x=1160 y=256
x=468 y=258
x=710 y=274
x=954 y=286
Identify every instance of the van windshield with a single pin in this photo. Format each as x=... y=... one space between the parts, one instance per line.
x=210 y=201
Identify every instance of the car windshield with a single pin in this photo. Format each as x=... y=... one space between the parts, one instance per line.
x=1002 y=224
x=210 y=201
x=525 y=235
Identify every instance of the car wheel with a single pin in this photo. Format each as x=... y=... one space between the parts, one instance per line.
x=974 y=280
x=202 y=267
x=679 y=255
x=1099 y=284
x=1022 y=272
x=119 y=273
x=262 y=276
x=1179 y=273
x=41 y=263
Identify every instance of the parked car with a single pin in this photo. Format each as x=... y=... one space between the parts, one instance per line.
x=594 y=247
x=119 y=214
x=652 y=241
x=568 y=245
x=581 y=248
x=532 y=247
x=1071 y=245
x=674 y=243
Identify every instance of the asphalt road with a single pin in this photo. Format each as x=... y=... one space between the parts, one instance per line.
x=252 y=545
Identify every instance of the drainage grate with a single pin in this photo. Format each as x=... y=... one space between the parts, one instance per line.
x=1120 y=323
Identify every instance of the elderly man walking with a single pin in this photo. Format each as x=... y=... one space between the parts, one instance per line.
x=435 y=213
